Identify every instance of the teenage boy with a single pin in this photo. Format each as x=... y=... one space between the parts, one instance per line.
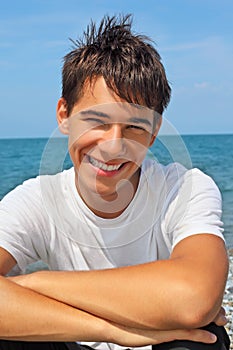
x=135 y=248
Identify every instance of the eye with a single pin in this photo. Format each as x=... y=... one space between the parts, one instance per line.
x=136 y=128
x=95 y=122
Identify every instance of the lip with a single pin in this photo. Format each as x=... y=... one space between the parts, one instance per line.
x=107 y=173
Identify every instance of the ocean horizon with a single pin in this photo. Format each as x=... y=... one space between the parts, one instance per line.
x=24 y=158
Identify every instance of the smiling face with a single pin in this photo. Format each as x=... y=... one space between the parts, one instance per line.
x=108 y=140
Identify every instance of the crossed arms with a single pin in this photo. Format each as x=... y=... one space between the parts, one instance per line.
x=132 y=306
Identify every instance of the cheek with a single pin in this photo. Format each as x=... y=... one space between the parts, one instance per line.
x=82 y=142
x=79 y=129
x=139 y=146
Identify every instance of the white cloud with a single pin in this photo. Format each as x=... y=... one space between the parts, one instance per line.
x=202 y=85
x=209 y=44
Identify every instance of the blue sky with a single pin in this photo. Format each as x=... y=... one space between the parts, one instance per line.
x=194 y=38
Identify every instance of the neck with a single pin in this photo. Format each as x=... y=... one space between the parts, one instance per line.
x=110 y=206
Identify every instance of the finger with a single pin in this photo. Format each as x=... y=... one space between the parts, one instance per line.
x=221 y=311
x=134 y=337
x=197 y=335
x=221 y=320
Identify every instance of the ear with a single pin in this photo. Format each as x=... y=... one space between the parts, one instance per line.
x=62 y=116
x=156 y=130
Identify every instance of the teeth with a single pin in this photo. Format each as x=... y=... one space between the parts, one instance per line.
x=103 y=166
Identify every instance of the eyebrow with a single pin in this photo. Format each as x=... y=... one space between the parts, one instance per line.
x=105 y=115
x=97 y=113
x=140 y=121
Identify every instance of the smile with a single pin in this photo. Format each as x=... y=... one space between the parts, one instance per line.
x=103 y=166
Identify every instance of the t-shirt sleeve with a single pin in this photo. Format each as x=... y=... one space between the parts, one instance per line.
x=194 y=207
x=22 y=224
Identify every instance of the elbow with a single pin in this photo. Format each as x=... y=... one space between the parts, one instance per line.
x=199 y=308
x=197 y=318
x=190 y=312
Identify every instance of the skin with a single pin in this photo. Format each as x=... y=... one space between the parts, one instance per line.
x=88 y=305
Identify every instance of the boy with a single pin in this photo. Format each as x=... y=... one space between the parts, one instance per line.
x=135 y=249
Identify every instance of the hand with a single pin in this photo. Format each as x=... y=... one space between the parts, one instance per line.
x=220 y=319
x=131 y=337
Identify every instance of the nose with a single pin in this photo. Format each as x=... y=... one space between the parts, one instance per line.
x=112 y=142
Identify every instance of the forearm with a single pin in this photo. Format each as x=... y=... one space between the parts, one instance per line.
x=162 y=295
x=27 y=315
x=123 y=296
x=126 y=296
x=182 y=292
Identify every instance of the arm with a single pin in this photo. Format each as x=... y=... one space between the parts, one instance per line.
x=27 y=315
x=183 y=292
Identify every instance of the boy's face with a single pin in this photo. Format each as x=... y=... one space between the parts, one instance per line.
x=108 y=140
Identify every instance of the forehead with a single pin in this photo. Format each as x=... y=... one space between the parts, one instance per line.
x=101 y=102
x=99 y=97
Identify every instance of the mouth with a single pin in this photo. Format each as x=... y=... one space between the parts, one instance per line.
x=109 y=168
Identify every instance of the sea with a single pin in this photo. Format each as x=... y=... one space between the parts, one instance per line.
x=21 y=159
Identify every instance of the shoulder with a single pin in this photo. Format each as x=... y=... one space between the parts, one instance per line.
x=22 y=195
x=175 y=176
x=198 y=186
x=193 y=206
x=32 y=190
x=57 y=182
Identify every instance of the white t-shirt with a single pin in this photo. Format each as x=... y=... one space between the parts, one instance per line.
x=46 y=219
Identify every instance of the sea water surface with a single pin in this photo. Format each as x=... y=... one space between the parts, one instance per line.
x=21 y=159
